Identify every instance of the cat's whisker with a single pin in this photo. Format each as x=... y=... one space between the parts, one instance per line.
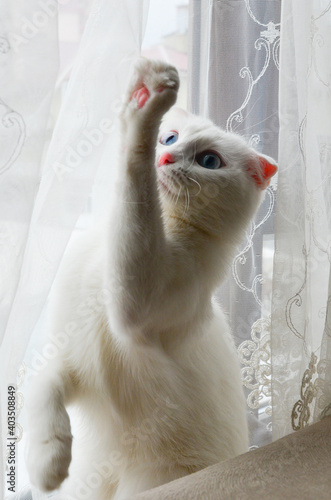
x=252 y=109
x=189 y=168
x=178 y=194
x=196 y=182
x=245 y=131
x=187 y=202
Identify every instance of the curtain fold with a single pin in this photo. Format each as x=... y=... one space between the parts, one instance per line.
x=27 y=36
x=301 y=341
x=48 y=174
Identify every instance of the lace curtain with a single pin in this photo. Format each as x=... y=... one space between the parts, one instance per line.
x=56 y=139
x=235 y=69
x=238 y=68
x=301 y=309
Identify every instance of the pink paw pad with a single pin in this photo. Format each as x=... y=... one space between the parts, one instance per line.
x=141 y=96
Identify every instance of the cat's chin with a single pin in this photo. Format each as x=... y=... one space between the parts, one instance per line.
x=166 y=190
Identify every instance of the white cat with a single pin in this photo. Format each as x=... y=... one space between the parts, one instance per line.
x=149 y=360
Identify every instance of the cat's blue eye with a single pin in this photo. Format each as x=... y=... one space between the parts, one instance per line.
x=169 y=138
x=209 y=159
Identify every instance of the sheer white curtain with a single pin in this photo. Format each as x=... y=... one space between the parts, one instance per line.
x=47 y=172
x=284 y=341
x=301 y=318
x=26 y=93
x=234 y=73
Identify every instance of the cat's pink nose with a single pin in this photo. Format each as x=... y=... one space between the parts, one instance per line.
x=165 y=159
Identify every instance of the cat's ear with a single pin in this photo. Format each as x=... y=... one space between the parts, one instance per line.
x=262 y=169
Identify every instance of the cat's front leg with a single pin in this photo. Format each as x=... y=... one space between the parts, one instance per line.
x=49 y=445
x=139 y=257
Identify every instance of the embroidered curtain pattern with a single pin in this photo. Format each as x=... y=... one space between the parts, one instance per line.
x=237 y=57
x=301 y=310
x=235 y=83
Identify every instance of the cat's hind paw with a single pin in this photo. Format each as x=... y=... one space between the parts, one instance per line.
x=48 y=462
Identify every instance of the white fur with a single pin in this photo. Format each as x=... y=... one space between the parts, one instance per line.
x=147 y=356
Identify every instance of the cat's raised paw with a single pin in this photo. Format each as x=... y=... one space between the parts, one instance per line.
x=154 y=85
x=141 y=96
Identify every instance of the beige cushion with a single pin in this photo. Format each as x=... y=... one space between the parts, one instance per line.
x=295 y=467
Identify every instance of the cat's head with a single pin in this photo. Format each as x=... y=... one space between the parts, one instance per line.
x=208 y=177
